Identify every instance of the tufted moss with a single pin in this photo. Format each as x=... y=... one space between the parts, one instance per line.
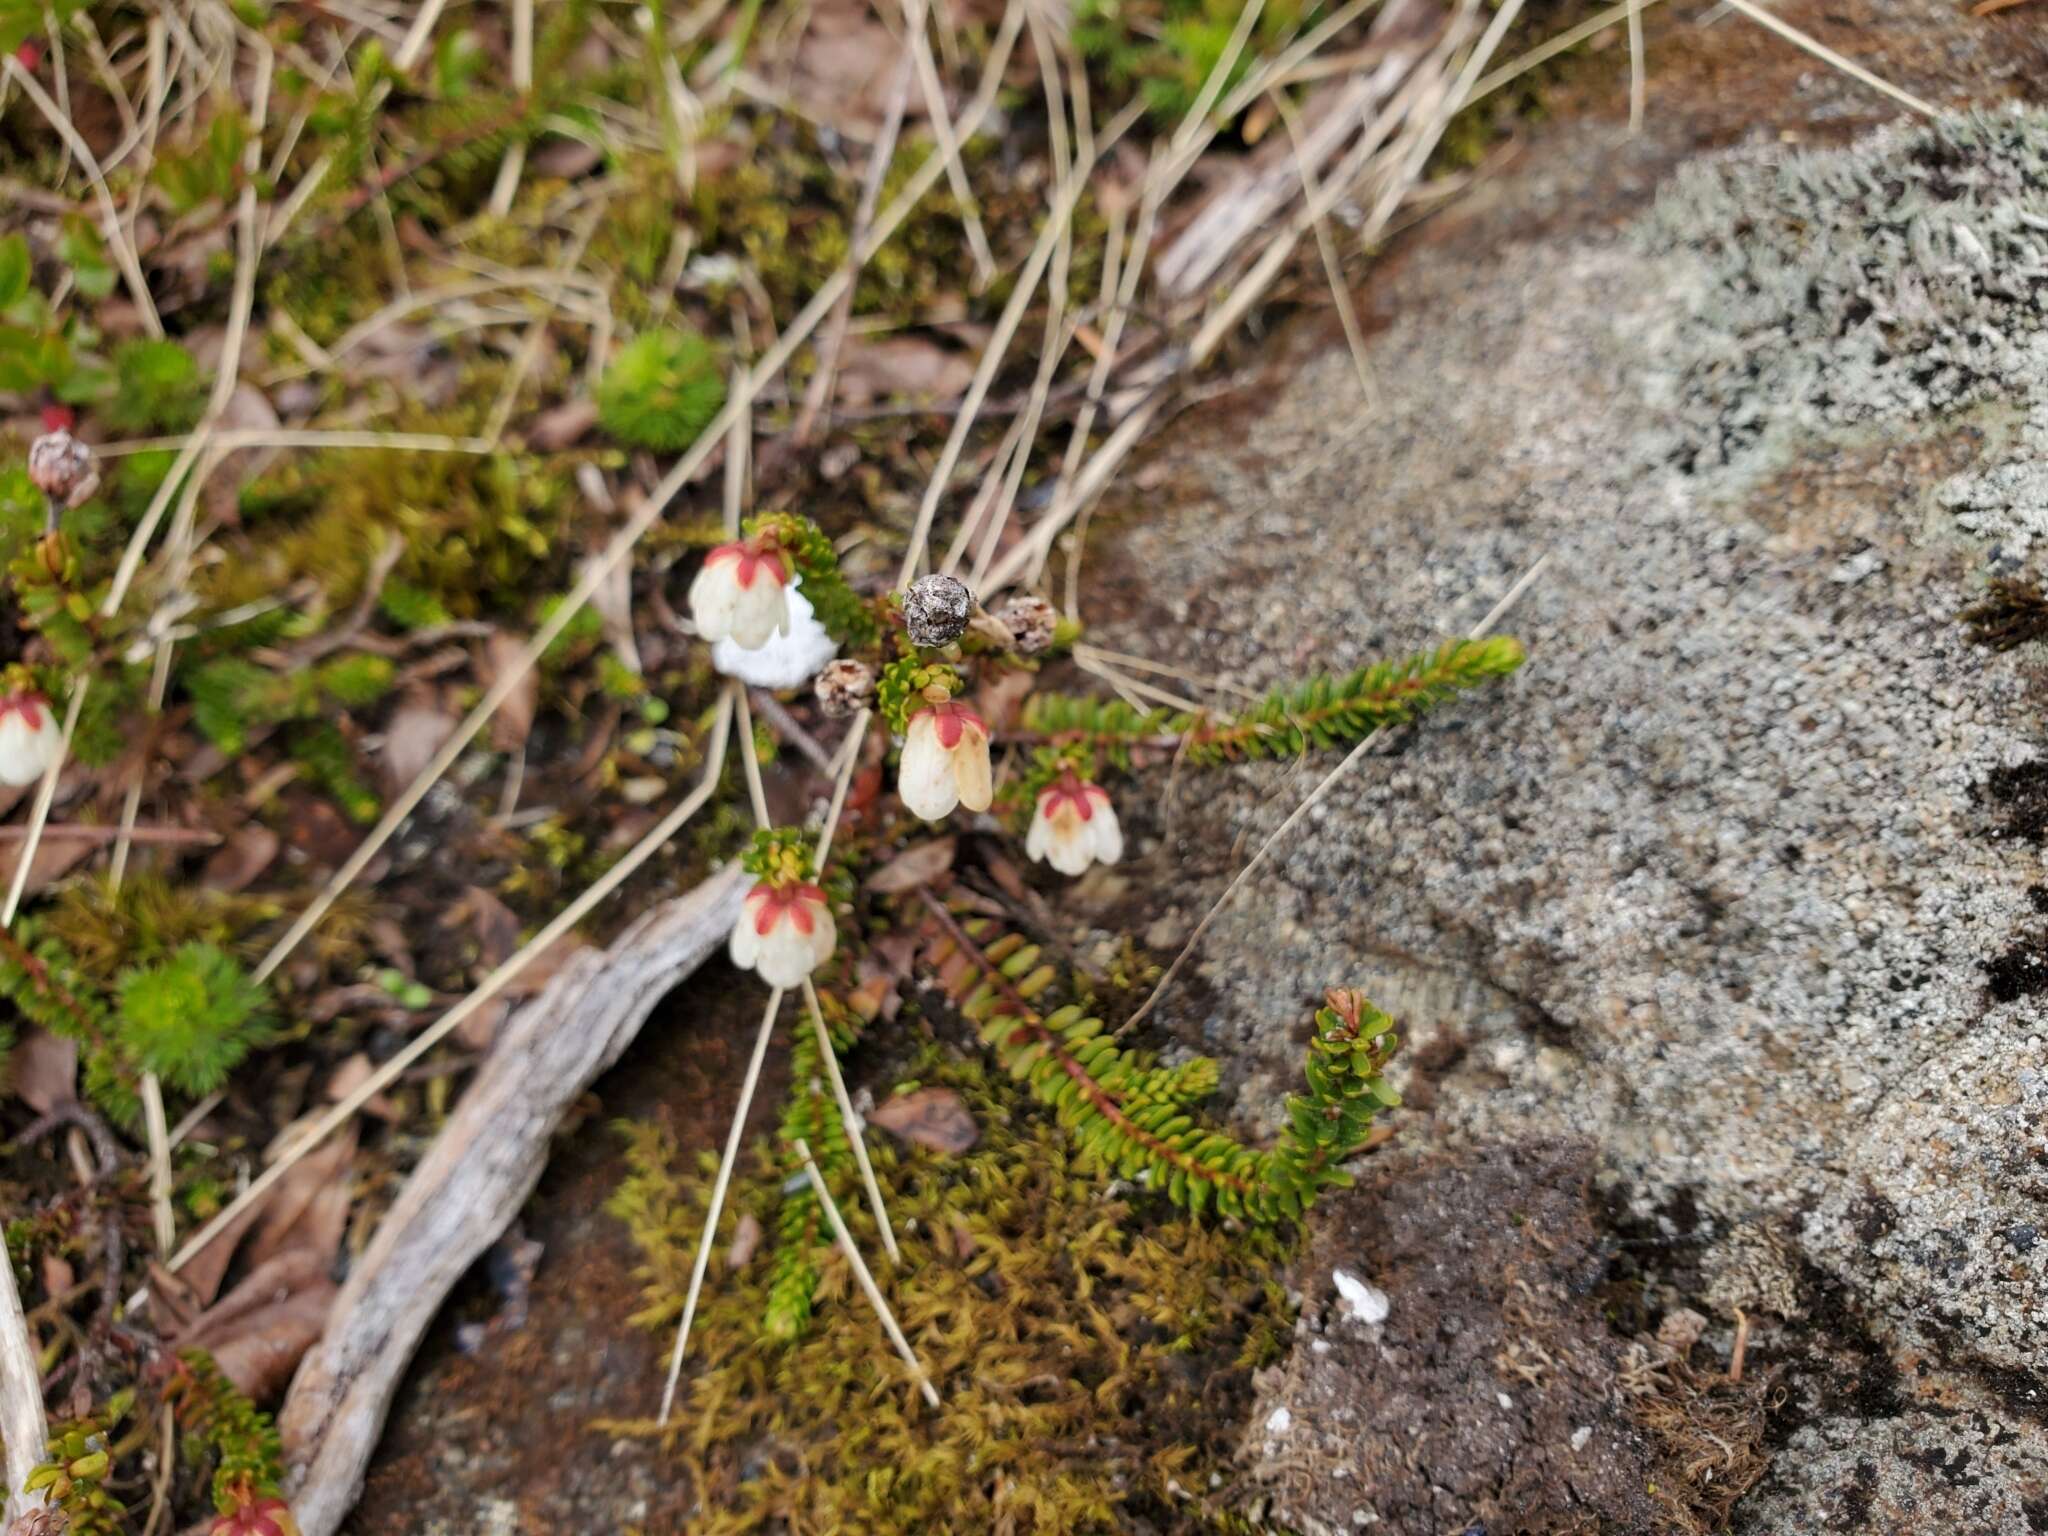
x=1087 y=1350
x=478 y=529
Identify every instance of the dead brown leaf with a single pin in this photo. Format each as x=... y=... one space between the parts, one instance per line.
x=566 y=159
x=918 y=865
x=58 y=1275
x=906 y=367
x=937 y=1118
x=44 y=1071
x=844 y=71
x=562 y=426
x=1000 y=700
x=513 y=722
x=746 y=1240
x=269 y=1283
x=1006 y=875
x=542 y=968
x=898 y=951
x=350 y=1076
x=55 y=858
x=308 y=1207
x=479 y=1028
x=877 y=995
x=248 y=852
x=496 y=925
x=260 y=1353
x=419 y=727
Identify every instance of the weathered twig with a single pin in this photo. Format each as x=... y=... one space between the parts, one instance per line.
x=474 y=1181
x=22 y=1425
x=1400 y=37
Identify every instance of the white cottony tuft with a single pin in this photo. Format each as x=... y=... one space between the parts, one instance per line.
x=29 y=739
x=1279 y=1421
x=1367 y=1303
x=786 y=660
x=1580 y=1436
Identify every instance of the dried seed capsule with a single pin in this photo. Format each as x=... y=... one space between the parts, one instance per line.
x=1031 y=622
x=935 y=610
x=60 y=466
x=845 y=686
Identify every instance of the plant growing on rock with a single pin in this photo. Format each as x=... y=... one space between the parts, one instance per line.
x=912 y=657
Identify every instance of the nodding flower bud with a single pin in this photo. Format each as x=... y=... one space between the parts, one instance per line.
x=784 y=933
x=845 y=686
x=740 y=596
x=935 y=610
x=28 y=737
x=945 y=762
x=60 y=466
x=1031 y=621
x=1074 y=826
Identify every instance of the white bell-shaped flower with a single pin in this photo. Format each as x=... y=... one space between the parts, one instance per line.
x=784 y=933
x=1074 y=826
x=741 y=594
x=945 y=762
x=29 y=738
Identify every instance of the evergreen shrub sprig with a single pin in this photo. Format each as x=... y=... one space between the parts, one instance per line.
x=1130 y=1116
x=1320 y=712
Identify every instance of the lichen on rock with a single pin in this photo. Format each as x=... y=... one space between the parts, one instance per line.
x=1729 y=889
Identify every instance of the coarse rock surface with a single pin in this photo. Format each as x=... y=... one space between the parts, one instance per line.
x=1495 y=1384
x=1739 y=878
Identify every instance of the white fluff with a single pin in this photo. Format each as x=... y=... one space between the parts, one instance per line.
x=785 y=660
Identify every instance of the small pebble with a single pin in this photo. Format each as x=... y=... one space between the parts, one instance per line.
x=1367 y=1303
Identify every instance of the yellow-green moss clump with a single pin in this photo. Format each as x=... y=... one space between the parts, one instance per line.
x=1089 y=1350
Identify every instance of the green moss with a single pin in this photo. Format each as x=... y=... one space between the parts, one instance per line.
x=144 y=920
x=662 y=390
x=1086 y=1349
x=1473 y=133
x=1163 y=50
x=481 y=531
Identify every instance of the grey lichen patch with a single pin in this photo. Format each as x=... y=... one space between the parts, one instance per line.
x=1902 y=281
x=1716 y=883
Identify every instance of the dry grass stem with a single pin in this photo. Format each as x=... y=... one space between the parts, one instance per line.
x=1566 y=40
x=856 y=1128
x=934 y=91
x=993 y=353
x=157 y=1124
x=726 y=1163
x=868 y=1287
x=1827 y=55
x=1638 y=78
x=1333 y=267
x=111 y=228
x=818 y=394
